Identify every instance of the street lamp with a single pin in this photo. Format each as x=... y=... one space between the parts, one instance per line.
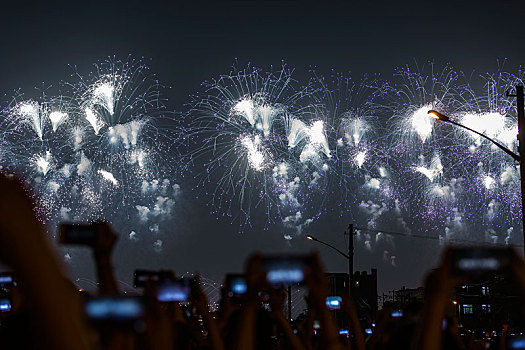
x=349 y=256
x=312 y=238
x=441 y=117
x=521 y=144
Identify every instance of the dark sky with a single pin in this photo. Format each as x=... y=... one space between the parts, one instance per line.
x=191 y=41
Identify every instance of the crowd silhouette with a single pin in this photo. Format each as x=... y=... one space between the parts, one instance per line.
x=44 y=310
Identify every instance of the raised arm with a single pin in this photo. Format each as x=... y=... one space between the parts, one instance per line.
x=25 y=247
x=102 y=252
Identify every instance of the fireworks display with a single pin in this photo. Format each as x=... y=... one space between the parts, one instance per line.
x=244 y=131
x=268 y=148
x=96 y=150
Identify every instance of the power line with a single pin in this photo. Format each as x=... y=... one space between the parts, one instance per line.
x=434 y=238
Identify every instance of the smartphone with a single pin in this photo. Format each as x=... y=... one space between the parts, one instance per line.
x=81 y=234
x=515 y=342
x=179 y=290
x=397 y=313
x=286 y=270
x=236 y=285
x=140 y=277
x=5 y=305
x=7 y=280
x=333 y=302
x=119 y=310
x=480 y=260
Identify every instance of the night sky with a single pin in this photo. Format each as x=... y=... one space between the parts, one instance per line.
x=186 y=43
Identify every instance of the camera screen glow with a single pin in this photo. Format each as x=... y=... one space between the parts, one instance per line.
x=469 y=264
x=173 y=293
x=333 y=302
x=517 y=344
x=5 y=305
x=239 y=287
x=6 y=279
x=285 y=276
x=114 y=309
x=397 y=313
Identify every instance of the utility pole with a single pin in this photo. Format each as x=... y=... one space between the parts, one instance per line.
x=349 y=256
x=521 y=149
x=350 y=234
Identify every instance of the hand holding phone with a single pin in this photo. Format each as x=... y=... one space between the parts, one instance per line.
x=78 y=234
x=98 y=235
x=236 y=286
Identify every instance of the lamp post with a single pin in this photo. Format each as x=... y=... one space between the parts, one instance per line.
x=349 y=256
x=521 y=144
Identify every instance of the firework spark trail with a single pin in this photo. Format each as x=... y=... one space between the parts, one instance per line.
x=266 y=146
x=462 y=189
x=96 y=149
x=314 y=137
x=237 y=128
x=489 y=174
x=33 y=132
x=417 y=160
x=120 y=121
x=367 y=143
x=354 y=176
